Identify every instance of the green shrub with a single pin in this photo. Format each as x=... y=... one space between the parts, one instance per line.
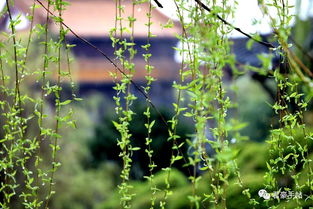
x=253 y=109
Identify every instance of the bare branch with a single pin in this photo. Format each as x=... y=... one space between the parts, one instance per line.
x=158 y=3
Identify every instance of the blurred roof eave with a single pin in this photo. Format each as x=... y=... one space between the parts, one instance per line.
x=95 y=18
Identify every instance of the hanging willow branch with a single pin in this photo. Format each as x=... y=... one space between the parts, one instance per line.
x=268 y=45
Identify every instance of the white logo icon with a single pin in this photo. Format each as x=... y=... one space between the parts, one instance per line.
x=263 y=193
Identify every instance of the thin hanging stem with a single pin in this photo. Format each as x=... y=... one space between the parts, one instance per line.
x=57 y=103
x=30 y=33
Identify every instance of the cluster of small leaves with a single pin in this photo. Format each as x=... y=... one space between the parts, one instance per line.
x=289 y=155
x=124 y=96
x=202 y=86
x=24 y=169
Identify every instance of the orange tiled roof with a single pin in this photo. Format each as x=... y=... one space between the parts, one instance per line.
x=96 y=18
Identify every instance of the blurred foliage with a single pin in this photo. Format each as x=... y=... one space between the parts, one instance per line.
x=77 y=186
x=302 y=40
x=254 y=108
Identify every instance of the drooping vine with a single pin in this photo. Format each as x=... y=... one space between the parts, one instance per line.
x=125 y=97
x=149 y=123
x=23 y=170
